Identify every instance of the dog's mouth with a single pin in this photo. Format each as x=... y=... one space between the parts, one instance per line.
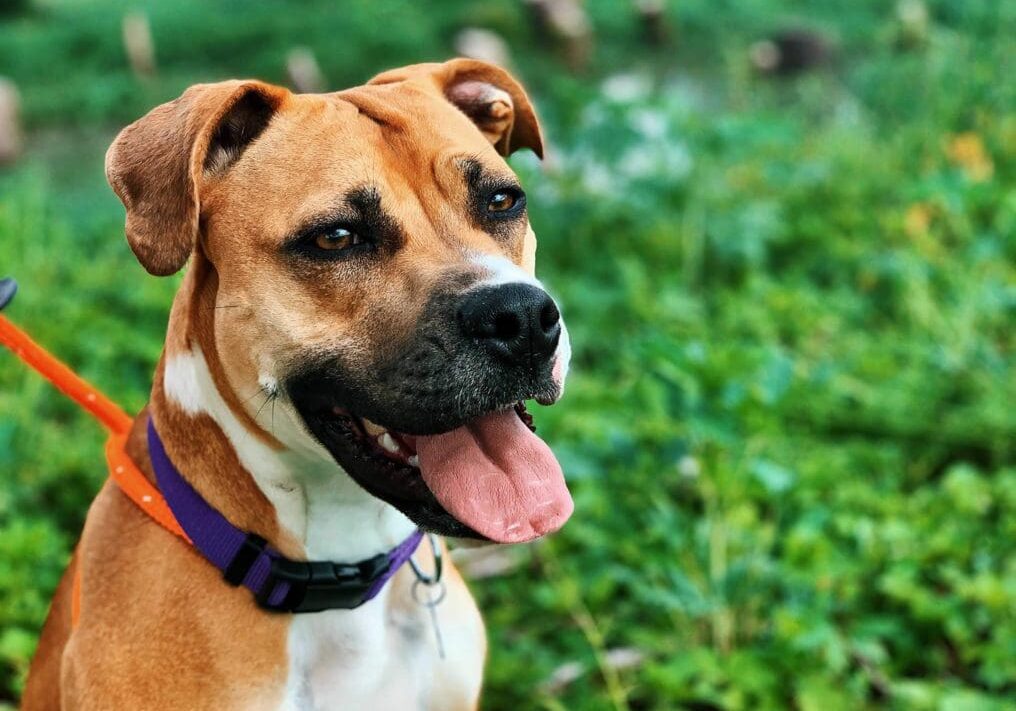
x=491 y=477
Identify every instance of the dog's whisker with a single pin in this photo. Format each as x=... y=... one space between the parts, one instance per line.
x=275 y=396
x=269 y=397
x=259 y=391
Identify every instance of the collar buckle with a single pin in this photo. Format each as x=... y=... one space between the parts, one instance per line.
x=314 y=586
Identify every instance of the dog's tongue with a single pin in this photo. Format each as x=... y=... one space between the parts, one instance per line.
x=497 y=477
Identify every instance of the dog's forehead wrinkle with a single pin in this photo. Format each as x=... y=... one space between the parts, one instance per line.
x=454 y=172
x=417 y=118
x=437 y=170
x=377 y=104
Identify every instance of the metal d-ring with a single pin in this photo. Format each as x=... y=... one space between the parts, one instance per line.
x=435 y=590
x=435 y=550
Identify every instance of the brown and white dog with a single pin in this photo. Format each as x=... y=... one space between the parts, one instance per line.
x=342 y=365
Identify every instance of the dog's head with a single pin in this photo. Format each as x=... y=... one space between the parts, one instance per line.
x=365 y=259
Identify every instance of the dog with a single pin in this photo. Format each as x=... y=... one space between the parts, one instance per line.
x=346 y=362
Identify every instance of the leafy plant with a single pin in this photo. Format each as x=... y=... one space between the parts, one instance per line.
x=789 y=431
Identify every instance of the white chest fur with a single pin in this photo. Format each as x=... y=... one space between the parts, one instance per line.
x=354 y=660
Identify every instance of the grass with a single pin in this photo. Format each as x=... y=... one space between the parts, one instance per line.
x=789 y=432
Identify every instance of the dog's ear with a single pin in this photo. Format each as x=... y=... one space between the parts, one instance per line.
x=486 y=93
x=158 y=164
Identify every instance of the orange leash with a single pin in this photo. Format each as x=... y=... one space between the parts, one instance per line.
x=122 y=470
x=77 y=389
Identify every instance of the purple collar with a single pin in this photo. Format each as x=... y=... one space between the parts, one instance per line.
x=278 y=583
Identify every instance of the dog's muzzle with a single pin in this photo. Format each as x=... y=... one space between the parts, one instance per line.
x=436 y=424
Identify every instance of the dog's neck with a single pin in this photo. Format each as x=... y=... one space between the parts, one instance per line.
x=264 y=472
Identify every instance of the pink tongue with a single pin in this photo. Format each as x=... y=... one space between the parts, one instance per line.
x=497 y=477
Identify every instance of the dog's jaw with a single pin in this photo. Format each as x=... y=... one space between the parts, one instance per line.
x=315 y=501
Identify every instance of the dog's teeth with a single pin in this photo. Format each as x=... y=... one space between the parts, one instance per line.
x=388 y=444
x=414 y=461
x=372 y=429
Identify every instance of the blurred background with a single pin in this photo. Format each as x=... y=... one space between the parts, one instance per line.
x=783 y=234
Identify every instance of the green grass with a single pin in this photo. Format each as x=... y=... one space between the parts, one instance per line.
x=790 y=428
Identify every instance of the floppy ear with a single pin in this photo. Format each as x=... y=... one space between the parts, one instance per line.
x=486 y=93
x=158 y=164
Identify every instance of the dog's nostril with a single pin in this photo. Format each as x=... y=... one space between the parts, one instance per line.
x=506 y=326
x=549 y=316
x=518 y=322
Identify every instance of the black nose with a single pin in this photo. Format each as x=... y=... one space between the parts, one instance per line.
x=518 y=322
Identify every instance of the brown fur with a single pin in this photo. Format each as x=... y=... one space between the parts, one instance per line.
x=158 y=628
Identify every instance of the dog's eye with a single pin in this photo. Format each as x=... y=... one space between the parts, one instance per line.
x=337 y=238
x=505 y=200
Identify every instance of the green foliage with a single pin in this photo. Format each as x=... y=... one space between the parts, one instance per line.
x=789 y=429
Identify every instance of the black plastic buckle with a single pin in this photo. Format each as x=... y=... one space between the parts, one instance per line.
x=321 y=585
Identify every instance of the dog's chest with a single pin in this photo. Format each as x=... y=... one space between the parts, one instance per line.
x=366 y=658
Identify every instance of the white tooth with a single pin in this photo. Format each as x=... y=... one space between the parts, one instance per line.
x=388 y=443
x=372 y=429
x=414 y=461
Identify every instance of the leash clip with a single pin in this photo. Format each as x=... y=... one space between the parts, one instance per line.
x=435 y=550
x=429 y=590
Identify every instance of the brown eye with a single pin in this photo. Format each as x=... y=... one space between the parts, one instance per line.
x=337 y=238
x=502 y=201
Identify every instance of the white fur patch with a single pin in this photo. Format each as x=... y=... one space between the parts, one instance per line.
x=562 y=359
x=181 y=384
x=529 y=251
x=503 y=271
x=268 y=384
x=343 y=659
